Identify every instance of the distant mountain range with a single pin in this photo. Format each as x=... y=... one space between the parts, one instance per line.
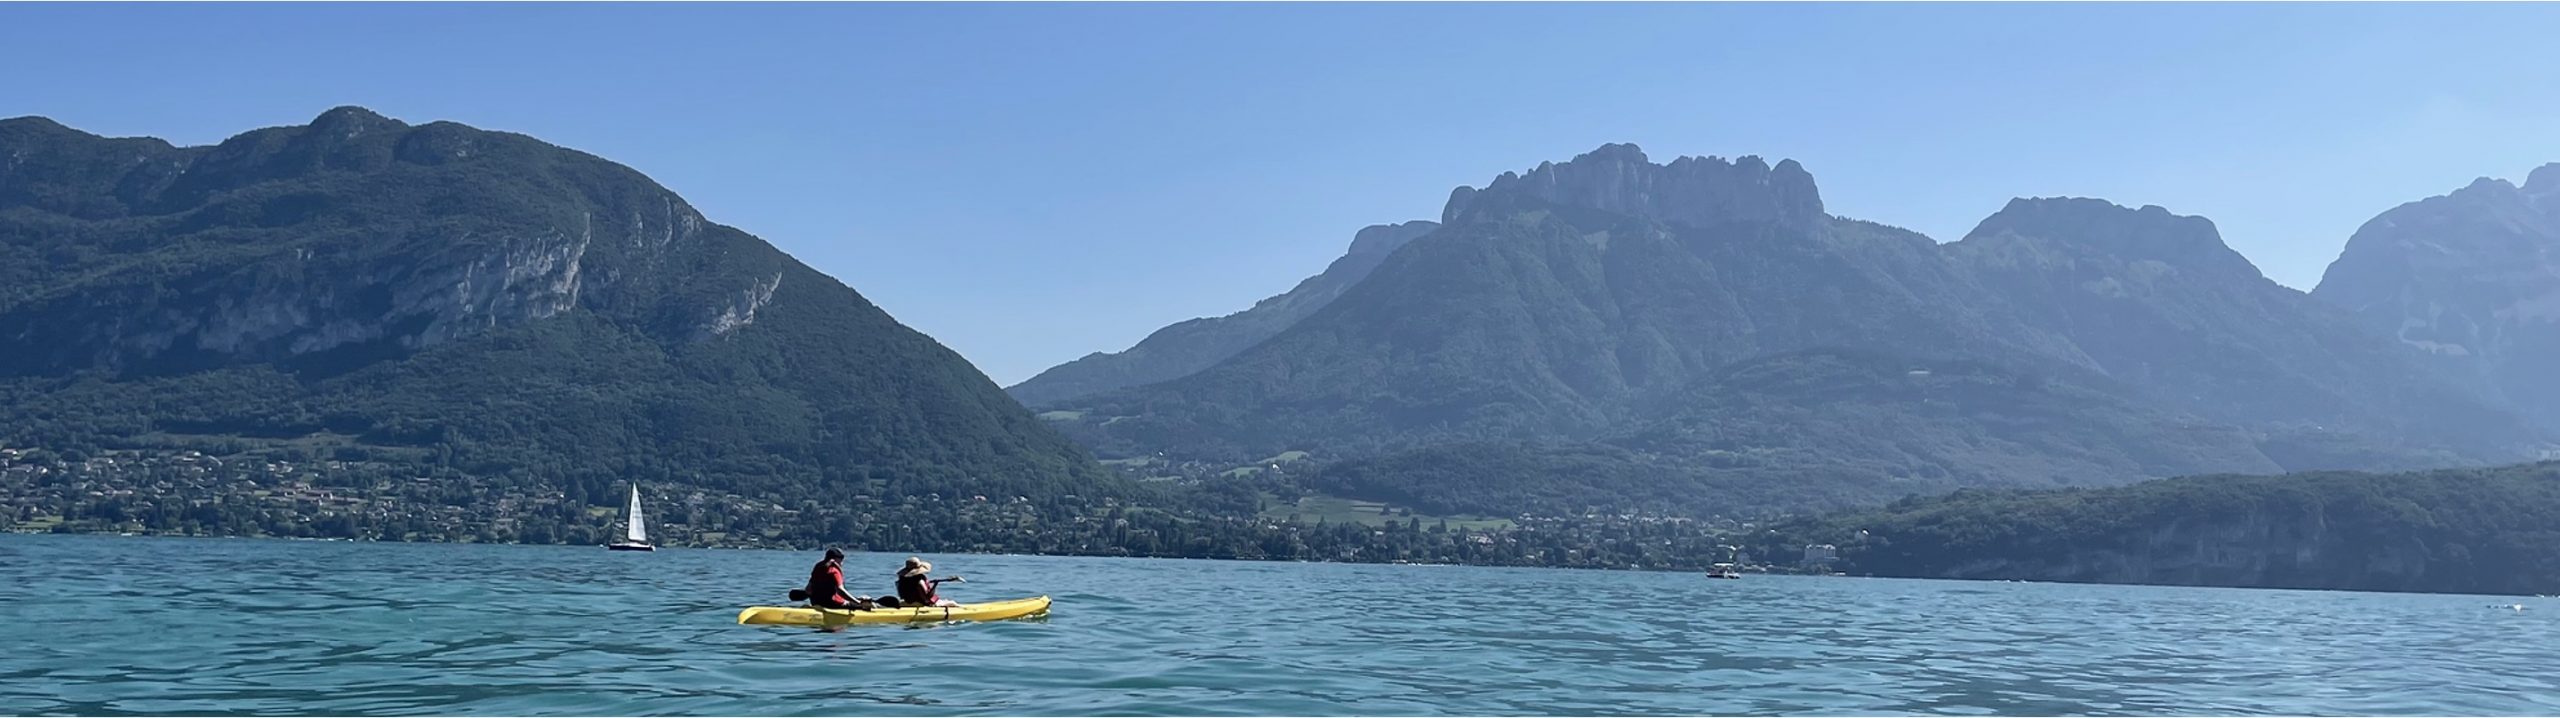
x=442 y=297
x=1702 y=336
x=1694 y=337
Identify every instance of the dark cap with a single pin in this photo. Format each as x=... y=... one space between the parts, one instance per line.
x=835 y=553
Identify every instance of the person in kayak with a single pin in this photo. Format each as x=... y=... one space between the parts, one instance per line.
x=826 y=585
x=916 y=584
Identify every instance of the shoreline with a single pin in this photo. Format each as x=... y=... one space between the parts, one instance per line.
x=1161 y=557
x=1797 y=574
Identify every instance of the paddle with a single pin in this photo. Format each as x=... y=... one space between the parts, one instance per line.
x=903 y=604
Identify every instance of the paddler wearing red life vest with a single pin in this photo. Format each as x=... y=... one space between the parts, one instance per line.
x=826 y=583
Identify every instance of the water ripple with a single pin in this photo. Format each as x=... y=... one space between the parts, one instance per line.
x=126 y=626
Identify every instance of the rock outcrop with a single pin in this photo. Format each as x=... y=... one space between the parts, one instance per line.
x=1701 y=191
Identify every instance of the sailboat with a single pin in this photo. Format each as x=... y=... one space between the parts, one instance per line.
x=633 y=529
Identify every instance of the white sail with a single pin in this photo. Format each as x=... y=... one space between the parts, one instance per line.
x=637 y=532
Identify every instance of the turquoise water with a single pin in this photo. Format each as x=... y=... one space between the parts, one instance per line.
x=105 y=625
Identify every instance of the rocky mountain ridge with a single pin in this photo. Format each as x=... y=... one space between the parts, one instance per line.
x=1581 y=300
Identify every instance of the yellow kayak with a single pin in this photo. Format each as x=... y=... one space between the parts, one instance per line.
x=830 y=618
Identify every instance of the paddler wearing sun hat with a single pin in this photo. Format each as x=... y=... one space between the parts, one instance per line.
x=916 y=584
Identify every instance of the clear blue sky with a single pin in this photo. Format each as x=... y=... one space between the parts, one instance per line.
x=1031 y=183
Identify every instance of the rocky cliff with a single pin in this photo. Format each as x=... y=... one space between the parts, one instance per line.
x=2470 y=278
x=271 y=245
x=1699 y=191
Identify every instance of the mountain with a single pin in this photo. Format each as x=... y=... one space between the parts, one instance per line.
x=2486 y=531
x=1682 y=315
x=1813 y=430
x=479 y=304
x=2470 y=278
x=1184 y=348
x=2156 y=300
x=1523 y=318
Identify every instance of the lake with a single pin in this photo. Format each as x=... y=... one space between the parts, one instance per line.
x=128 y=625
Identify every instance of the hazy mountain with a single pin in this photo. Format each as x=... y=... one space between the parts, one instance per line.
x=448 y=296
x=2156 y=301
x=1611 y=299
x=1179 y=350
x=2471 y=278
x=1524 y=318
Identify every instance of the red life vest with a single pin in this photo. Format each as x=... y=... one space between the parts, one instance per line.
x=826 y=584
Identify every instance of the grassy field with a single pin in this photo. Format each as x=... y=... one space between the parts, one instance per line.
x=1284 y=457
x=1334 y=509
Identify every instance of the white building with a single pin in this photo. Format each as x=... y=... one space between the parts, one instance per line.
x=1821 y=554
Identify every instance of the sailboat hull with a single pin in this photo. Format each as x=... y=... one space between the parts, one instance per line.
x=630 y=547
